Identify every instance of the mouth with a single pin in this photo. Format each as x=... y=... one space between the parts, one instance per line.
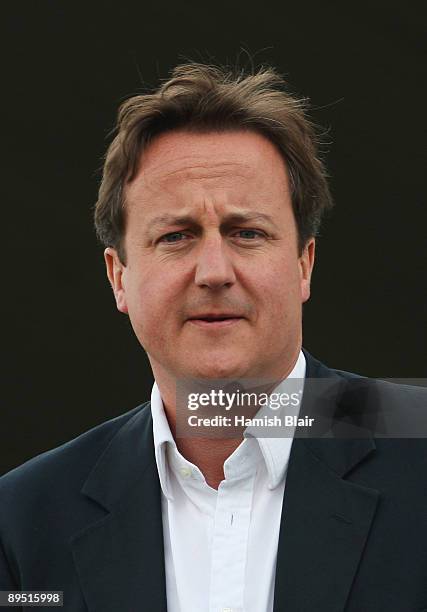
x=209 y=321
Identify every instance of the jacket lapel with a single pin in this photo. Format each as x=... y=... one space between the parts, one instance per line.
x=120 y=558
x=325 y=521
x=325 y=524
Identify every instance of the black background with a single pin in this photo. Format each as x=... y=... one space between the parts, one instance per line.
x=70 y=360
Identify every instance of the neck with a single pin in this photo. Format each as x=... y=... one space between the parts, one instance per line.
x=207 y=454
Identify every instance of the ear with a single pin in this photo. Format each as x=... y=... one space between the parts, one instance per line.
x=306 y=263
x=115 y=270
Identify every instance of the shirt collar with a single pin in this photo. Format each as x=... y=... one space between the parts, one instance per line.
x=162 y=437
x=275 y=451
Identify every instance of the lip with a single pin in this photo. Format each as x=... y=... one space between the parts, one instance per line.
x=216 y=324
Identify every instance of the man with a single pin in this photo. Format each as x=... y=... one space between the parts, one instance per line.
x=210 y=202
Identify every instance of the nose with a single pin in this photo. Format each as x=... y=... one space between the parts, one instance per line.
x=214 y=268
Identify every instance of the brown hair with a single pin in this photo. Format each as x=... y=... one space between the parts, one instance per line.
x=206 y=98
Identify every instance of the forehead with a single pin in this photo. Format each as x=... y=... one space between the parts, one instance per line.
x=180 y=160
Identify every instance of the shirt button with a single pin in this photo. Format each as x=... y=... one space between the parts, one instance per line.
x=185 y=473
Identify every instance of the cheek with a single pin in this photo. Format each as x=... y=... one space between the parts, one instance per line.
x=280 y=286
x=152 y=297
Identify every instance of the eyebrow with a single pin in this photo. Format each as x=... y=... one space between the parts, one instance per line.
x=240 y=217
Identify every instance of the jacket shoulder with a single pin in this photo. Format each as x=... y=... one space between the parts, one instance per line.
x=69 y=463
x=388 y=390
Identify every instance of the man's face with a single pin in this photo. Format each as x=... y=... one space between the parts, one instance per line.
x=213 y=282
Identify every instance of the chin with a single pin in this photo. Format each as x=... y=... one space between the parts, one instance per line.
x=218 y=367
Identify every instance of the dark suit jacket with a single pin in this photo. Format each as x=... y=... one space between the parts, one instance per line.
x=85 y=519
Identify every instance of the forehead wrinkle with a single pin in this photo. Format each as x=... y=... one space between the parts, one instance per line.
x=232 y=214
x=176 y=183
x=176 y=180
x=167 y=170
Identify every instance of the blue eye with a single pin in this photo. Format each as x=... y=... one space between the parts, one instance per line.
x=172 y=237
x=249 y=234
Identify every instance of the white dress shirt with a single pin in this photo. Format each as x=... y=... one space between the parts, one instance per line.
x=221 y=545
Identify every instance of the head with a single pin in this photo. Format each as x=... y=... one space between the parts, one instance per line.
x=211 y=198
